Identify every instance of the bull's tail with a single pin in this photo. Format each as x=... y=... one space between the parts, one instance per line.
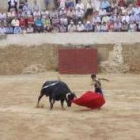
x=39 y=98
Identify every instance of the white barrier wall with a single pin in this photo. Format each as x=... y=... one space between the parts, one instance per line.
x=70 y=38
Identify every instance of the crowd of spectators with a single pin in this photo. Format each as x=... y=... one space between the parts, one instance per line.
x=71 y=16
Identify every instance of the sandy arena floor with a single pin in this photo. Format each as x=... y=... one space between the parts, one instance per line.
x=119 y=118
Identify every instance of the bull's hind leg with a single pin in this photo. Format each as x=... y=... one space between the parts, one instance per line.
x=52 y=101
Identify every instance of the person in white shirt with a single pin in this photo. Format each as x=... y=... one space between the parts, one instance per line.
x=80 y=5
x=12 y=4
x=90 y=5
x=79 y=14
x=71 y=27
x=80 y=27
x=15 y=22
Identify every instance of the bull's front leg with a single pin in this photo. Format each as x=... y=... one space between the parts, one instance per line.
x=62 y=104
x=52 y=101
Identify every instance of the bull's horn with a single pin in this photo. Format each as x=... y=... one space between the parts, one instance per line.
x=67 y=95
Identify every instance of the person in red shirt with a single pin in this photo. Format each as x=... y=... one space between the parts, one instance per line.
x=22 y=22
x=30 y=20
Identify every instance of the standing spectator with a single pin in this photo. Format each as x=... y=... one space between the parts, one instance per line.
x=80 y=27
x=12 y=4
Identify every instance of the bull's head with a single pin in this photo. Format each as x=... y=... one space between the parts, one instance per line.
x=69 y=98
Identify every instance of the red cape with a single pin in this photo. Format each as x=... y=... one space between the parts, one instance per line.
x=91 y=100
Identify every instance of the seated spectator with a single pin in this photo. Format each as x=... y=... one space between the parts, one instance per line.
x=62 y=12
x=105 y=5
x=15 y=22
x=125 y=18
x=121 y=3
x=36 y=14
x=102 y=12
x=132 y=27
x=98 y=27
x=35 y=7
x=9 y=29
x=30 y=20
x=111 y=26
x=17 y=30
x=11 y=14
x=22 y=22
x=62 y=4
x=12 y=4
x=71 y=27
x=63 y=28
x=71 y=14
x=117 y=26
x=44 y=13
x=97 y=4
x=88 y=26
x=70 y=3
x=55 y=20
x=80 y=5
x=63 y=21
x=80 y=27
x=96 y=18
x=2 y=30
x=138 y=27
x=38 y=25
x=104 y=27
x=26 y=7
x=30 y=29
x=136 y=9
x=47 y=3
x=90 y=5
x=138 y=3
x=47 y=24
x=79 y=14
x=124 y=27
x=105 y=19
x=21 y=4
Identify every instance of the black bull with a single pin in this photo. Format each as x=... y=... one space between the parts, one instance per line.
x=56 y=91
